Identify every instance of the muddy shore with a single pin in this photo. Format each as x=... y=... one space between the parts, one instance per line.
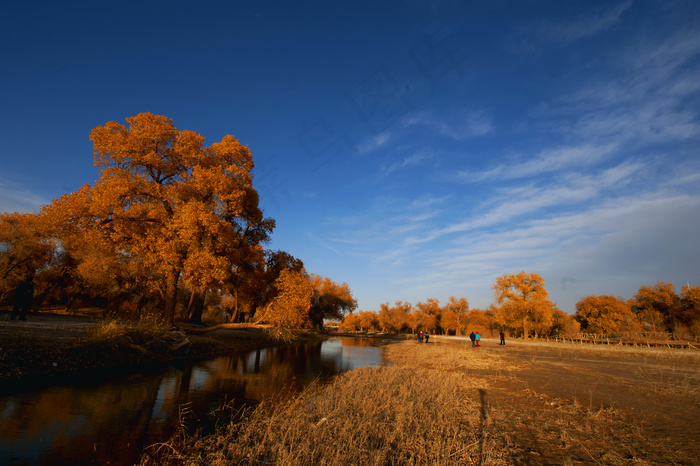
x=50 y=345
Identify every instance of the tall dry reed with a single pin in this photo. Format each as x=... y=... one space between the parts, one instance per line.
x=388 y=415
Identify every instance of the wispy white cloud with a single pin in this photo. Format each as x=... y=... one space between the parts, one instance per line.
x=641 y=99
x=321 y=242
x=426 y=202
x=638 y=235
x=547 y=161
x=522 y=202
x=408 y=161
x=16 y=198
x=374 y=143
x=458 y=126
x=691 y=178
x=605 y=203
x=584 y=25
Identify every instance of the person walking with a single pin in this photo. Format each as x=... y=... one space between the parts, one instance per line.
x=427 y=335
x=472 y=337
x=477 y=337
x=503 y=339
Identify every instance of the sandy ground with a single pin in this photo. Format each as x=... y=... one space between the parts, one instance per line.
x=655 y=390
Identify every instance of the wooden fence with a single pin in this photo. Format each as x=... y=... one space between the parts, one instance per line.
x=591 y=339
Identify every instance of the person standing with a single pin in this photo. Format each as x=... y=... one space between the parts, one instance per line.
x=472 y=337
x=427 y=335
x=477 y=337
x=24 y=294
x=503 y=338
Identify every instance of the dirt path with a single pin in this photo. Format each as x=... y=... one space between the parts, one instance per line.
x=43 y=328
x=652 y=394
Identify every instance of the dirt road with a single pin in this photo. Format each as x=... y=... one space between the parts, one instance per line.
x=655 y=390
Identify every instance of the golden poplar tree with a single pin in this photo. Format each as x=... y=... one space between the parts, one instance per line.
x=330 y=300
x=603 y=314
x=394 y=319
x=690 y=307
x=524 y=303
x=290 y=308
x=25 y=247
x=656 y=306
x=454 y=315
x=178 y=209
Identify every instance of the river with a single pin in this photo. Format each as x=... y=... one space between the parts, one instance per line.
x=110 y=418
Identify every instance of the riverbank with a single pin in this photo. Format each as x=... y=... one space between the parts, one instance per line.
x=51 y=345
x=448 y=403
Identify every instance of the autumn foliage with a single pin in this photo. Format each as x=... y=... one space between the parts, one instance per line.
x=524 y=303
x=604 y=314
x=290 y=308
x=26 y=250
x=172 y=225
x=522 y=308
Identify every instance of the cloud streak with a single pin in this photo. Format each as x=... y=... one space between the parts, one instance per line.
x=16 y=198
x=460 y=126
x=582 y=26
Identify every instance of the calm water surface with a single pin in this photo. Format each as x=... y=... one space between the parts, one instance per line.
x=109 y=419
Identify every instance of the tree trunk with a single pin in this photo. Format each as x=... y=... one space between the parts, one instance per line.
x=39 y=300
x=526 y=328
x=171 y=295
x=69 y=303
x=196 y=307
x=234 y=313
x=139 y=306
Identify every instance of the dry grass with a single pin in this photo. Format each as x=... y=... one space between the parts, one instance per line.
x=116 y=331
x=615 y=350
x=387 y=415
x=283 y=334
x=447 y=356
x=443 y=403
x=414 y=412
x=145 y=338
x=670 y=384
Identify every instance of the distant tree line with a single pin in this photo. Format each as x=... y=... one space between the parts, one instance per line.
x=172 y=228
x=522 y=308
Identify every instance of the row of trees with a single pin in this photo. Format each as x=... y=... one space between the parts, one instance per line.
x=171 y=227
x=653 y=309
x=522 y=307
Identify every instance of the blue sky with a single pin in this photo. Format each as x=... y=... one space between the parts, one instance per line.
x=412 y=149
